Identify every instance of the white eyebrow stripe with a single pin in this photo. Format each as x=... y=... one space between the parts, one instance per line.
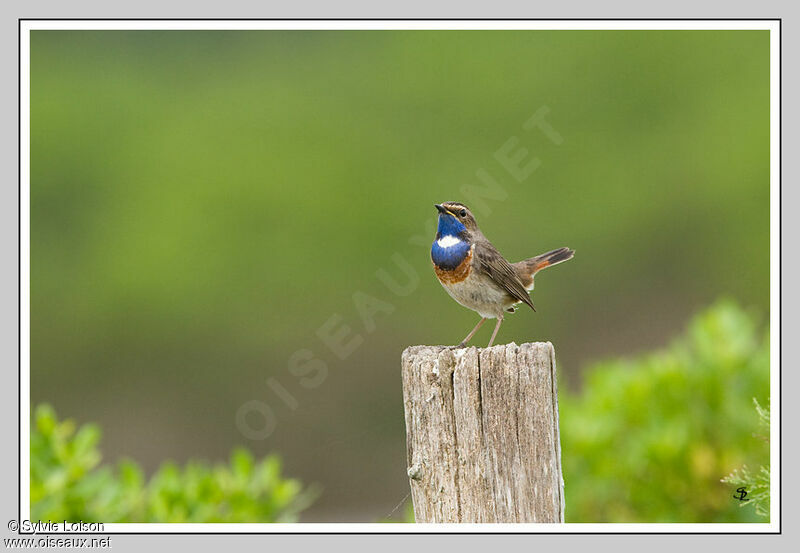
x=447 y=241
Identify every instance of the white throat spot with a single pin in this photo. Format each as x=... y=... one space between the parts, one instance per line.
x=447 y=241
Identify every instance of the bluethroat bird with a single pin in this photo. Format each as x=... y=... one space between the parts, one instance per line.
x=476 y=275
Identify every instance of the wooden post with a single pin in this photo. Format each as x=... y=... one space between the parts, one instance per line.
x=482 y=433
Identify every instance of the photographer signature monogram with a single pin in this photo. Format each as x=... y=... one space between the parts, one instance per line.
x=741 y=494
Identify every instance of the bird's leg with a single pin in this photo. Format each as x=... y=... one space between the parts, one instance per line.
x=471 y=334
x=496 y=328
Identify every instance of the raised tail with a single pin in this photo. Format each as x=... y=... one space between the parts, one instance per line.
x=549 y=259
x=529 y=267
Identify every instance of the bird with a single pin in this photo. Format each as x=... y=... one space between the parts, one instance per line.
x=476 y=275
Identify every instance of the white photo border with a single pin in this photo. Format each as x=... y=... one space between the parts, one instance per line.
x=771 y=25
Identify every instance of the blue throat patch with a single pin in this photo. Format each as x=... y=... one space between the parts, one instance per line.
x=449 y=258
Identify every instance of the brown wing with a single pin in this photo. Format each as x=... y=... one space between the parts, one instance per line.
x=500 y=271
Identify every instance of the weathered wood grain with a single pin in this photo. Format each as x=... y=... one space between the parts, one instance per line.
x=482 y=433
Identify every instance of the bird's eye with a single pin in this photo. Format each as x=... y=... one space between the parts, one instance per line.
x=463 y=213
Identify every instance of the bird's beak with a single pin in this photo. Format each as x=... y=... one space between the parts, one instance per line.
x=441 y=208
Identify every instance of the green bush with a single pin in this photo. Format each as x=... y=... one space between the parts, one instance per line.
x=650 y=438
x=756 y=485
x=68 y=483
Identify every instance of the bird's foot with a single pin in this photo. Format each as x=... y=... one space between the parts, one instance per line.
x=462 y=345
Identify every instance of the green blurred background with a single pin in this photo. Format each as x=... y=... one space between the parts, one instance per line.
x=203 y=202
